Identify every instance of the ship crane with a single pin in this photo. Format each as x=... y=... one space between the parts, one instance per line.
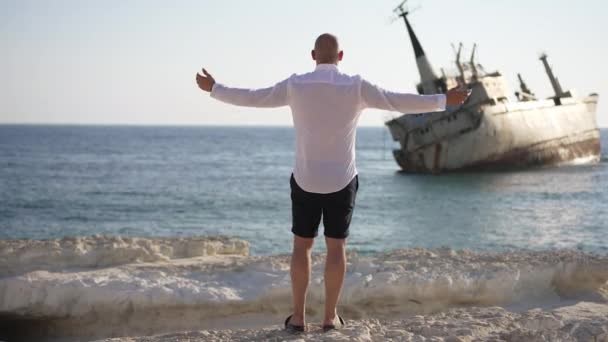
x=461 y=80
x=557 y=88
x=472 y=63
x=429 y=82
x=526 y=94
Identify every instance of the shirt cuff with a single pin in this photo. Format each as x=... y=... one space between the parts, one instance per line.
x=215 y=89
x=441 y=101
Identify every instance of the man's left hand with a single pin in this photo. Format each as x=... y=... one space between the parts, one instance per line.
x=205 y=82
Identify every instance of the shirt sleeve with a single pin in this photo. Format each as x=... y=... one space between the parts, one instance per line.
x=275 y=96
x=373 y=96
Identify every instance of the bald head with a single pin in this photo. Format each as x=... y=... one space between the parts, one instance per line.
x=327 y=49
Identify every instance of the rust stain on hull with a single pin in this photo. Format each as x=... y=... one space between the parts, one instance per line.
x=437 y=159
x=538 y=157
x=555 y=154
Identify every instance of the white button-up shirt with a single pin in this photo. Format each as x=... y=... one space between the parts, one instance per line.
x=325 y=106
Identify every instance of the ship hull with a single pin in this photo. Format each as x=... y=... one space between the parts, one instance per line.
x=504 y=136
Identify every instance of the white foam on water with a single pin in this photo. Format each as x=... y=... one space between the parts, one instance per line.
x=592 y=159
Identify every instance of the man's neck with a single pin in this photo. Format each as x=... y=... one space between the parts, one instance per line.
x=326 y=66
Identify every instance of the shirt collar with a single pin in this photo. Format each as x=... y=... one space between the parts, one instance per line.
x=327 y=66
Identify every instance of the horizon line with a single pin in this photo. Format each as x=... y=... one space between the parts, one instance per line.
x=166 y=124
x=154 y=124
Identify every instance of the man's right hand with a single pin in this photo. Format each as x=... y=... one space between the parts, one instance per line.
x=457 y=96
x=205 y=82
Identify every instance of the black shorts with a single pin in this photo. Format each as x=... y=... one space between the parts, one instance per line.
x=336 y=208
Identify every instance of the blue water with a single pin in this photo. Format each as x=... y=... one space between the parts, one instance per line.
x=183 y=181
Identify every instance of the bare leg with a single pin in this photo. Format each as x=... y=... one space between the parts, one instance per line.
x=300 y=276
x=335 y=268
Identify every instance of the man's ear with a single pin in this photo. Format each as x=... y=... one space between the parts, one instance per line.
x=312 y=53
x=340 y=55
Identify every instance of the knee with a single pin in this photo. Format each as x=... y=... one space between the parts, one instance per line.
x=336 y=255
x=302 y=246
x=301 y=251
x=336 y=248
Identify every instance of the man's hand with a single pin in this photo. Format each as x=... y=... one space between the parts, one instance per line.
x=205 y=82
x=457 y=96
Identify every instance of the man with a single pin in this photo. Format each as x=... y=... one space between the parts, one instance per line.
x=325 y=106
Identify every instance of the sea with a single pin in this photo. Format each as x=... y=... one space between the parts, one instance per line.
x=152 y=181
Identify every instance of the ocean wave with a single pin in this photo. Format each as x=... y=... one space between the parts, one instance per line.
x=120 y=193
x=117 y=282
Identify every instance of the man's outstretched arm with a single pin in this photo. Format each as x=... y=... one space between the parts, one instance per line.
x=275 y=96
x=373 y=96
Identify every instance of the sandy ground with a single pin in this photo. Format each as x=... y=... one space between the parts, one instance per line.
x=579 y=322
x=210 y=289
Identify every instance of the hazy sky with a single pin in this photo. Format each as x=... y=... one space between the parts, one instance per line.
x=134 y=61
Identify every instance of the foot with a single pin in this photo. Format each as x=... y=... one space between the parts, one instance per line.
x=294 y=327
x=297 y=320
x=330 y=321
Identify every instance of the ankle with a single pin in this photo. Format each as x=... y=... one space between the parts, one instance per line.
x=330 y=317
x=297 y=319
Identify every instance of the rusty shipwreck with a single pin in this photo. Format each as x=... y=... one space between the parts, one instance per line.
x=492 y=130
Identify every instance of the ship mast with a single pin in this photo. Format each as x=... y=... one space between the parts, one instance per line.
x=458 y=64
x=554 y=81
x=472 y=63
x=429 y=82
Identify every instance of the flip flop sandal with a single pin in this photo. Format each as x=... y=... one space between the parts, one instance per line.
x=329 y=327
x=292 y=327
